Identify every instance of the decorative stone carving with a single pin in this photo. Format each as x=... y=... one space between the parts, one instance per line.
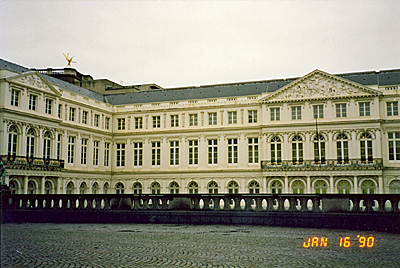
x=33 y=80
x=317 y=86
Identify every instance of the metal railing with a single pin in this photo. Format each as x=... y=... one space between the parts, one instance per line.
x=32 y=163
x=328 y=164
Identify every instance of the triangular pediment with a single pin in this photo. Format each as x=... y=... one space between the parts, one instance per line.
x=319 y=85
x=34 y=80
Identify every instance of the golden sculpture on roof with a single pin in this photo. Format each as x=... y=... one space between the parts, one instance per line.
x=69 y=60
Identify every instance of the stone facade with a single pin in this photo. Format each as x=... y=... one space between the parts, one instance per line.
x=320 y=133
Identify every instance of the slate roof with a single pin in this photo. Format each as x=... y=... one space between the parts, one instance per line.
x=381 y=78
x=62 y=84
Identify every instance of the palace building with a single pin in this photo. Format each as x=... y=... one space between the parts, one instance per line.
x=62 y=132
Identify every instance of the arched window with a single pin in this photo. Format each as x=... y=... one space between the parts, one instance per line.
x=137 y=188
x=174 y=187
x=320 y=187
x=106 y=188
x=298 y=187
x=297 y=150
x=31 y=187
x=368 y=187
x=155 y=188
x=344 y=187
x=342 y=149
x=233 y=187
x=319 y=149
x=12 y=140
x=394 y=187
x=48 y=187
x=13 y=187
x=83 y=188
x=276 y=151
x=254 y=187
x=95 y=188
x=30 y=143
x=366 y=148
x=193 y=187
x=47 y=145
x=212 y=187
x=276 y=187
x=119 y=188
x=70 y=188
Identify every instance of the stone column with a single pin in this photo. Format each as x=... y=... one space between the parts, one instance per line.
x=43 y=182
x=286 y=186
x=381 y=189
x=308 y=185
x=25 y=190
x=332 y=186
x=355 y=184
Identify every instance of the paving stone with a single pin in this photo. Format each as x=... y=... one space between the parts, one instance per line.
x=152 y=245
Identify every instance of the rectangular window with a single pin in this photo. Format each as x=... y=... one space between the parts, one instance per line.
x=84 y=117
x=59 y=137
x=156 y=121
x=107 y=123
x=253 y=150
x=156 y=153
x=341 y=110
x=15 y=97
x=84 y=151
x=32 y=102
x=48 y=106
x=212 y=119
x=121 y=123
x=137 y=154
x=276 y=114
x=96 y=153
x=120 y=154
x=364 y=108
x=253 y=116
x=138 y=122
x=59 y=110
x=174 y=120
x=106 y=154
x=71 y=149
x=96 y=120
x=394 y=145
x=296 y=112
x=232 y=117
x=71 y=114
x=232 y=151
x=318 y=111
x=192 y=120
x=212 y=152
x=174 y=153
x=193 y=152
x=392 y=108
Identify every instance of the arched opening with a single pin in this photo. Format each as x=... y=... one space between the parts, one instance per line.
x=155 y=188
x=48 y=187
x=233 y=187
x=137 y=188
x=254 y=187
x=320 y=187
x=394 y=187
x=31 y=187
x=212 y=187
x=13 y=187
x=106 y=188
x=276 y=187
x=119 y=188
x=193 y=187
x=343 y=187
x=95 y=188
x=174 y=187
x=368 y=187
x=70 y=188
x=83 y=188
x=298 y=187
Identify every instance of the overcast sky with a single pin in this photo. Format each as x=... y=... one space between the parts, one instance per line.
x=185 y=43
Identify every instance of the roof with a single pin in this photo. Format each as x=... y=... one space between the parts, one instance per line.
x=381 y=78
x=62 y=84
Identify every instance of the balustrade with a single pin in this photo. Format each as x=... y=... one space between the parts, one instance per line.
x=358 y=203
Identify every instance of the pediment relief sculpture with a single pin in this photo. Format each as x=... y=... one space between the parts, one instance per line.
x=319 y=85
x=35 y=80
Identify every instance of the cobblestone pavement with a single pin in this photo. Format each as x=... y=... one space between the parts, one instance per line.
x=147 y=245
